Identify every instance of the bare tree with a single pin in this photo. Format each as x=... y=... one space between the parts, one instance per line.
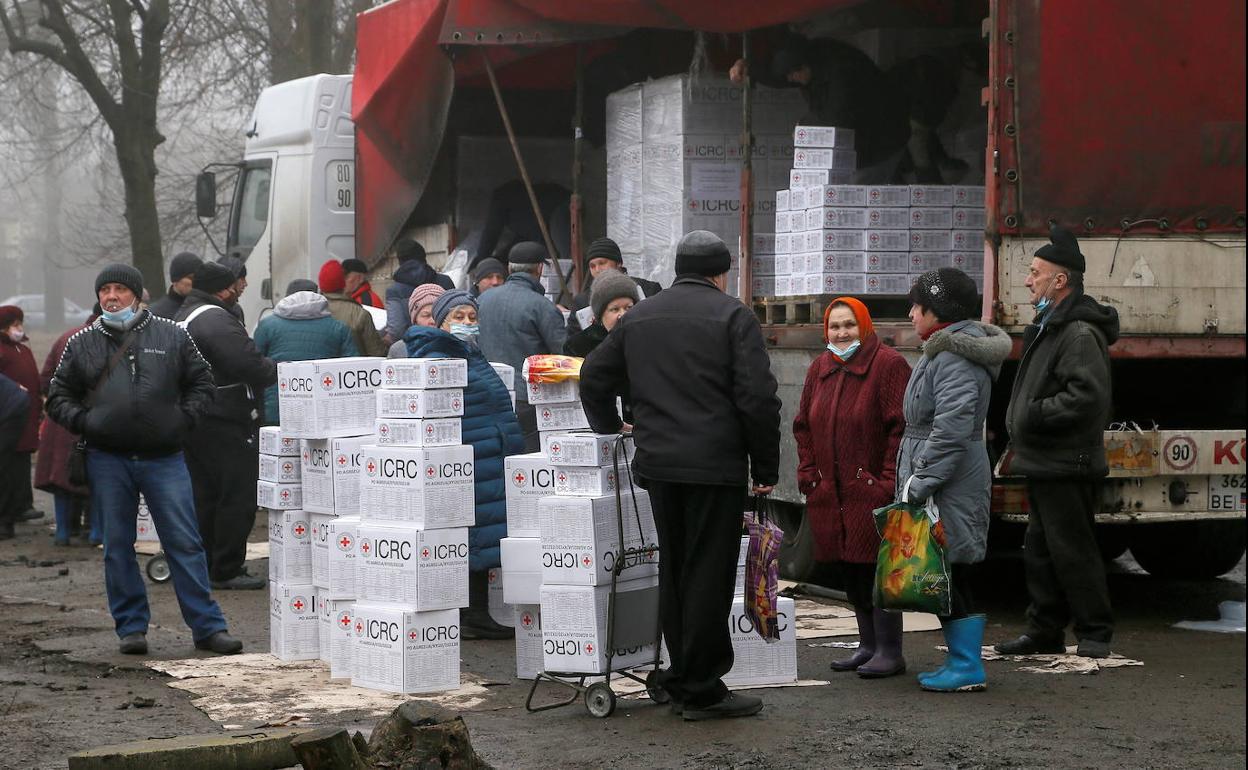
x=114 y=52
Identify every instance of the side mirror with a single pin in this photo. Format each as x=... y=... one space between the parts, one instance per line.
x=206 y=195
x=266 y=288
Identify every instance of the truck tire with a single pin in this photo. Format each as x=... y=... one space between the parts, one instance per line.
x=797 y=552
x=1198 y=550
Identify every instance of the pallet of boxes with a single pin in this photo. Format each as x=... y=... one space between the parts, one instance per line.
x=833 y=237
x=380 y=520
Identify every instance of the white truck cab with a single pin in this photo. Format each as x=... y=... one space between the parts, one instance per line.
x=294 y=198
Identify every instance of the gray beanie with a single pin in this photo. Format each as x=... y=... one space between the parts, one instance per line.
x=182 y=265
x=450 y=300
x=125 y=275
x=702 y=253
x=301 y=284
x=609 y=286
x=527 y=253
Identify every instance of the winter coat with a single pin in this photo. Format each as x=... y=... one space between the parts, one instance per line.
x=18 y=364
x=168 y=305
x=1060 y=403
x=148 y=403
x=848 y=429
x=239 y=370
x=694 y=362
x=300 y=328
x=56 y=443
x=407 y=277
x=358 y=320
x=517 y=321
x=14 y=406
x=943 y=446
x=366 y=296
x=581 y=301
x=490 y=427
x=583 y=343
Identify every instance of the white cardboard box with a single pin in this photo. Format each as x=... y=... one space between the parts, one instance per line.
x=739 y=588
x=575 y=481
x=443 y=431
x=784 y=220
x=425 y=373
x=343 y=555
x=528 y=624
x=932 y=240
x=318 y=523
x=283 y=470
x=574 y=626
x=969 y=262
x=336 y=619
x=424 y=568
x=882 y=217
x=755 y=662
x=922 y=261
x=836 y=195
x=290 y=547
x=888 y=284
x=293 y=625
x=931 y=218
x=823 y=136
x=931 y=195
x=274 y=442
x=836 y=218
x=347 y=454
x=529 y=478
x=783 y=200
x=966 y=240
x=505 y=373
x=427 y=488
x=970 y=219
x=581 y=538
x=329 y=397
x=831 y=159
x=567 y=391
x=522 y=569
x=561 y=417
x=411 y=403
x=317 y=471
x=398 y=649
x=331 y=474
x=585 y=449
x=892 y=195
x=844 y=283
x=500 y=613
x=968 y=195
x=808 y=177
x=763 y=243
x=279 y=497
x=145 y=529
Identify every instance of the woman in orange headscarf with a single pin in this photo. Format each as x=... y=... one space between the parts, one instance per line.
x=848 y=428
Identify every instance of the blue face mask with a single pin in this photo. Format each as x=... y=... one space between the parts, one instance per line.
x=119 y=316
x=847 y=351
x=465 y=332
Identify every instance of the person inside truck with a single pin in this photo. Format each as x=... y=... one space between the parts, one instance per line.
x=848 y=428
x=942 y=462
x=604 y=254
x=490 y=427
x=413 y=270
x=488 y=273
x=510 y=209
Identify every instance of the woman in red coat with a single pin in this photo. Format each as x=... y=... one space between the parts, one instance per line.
x=52 y=462
x=18 y=364
x=848 y=429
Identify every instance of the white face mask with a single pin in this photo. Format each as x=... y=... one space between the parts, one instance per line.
x=847 y=351
x=17 y=334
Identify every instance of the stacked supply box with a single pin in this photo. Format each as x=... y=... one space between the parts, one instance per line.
x=411 y=540
x=293 y=631
x=674 y=164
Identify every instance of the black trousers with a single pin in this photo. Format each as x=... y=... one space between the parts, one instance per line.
x=223 y=458
x=1065 y=573
x=14 y=485
x=526 y=415
x=699 y=528
x=25 y=492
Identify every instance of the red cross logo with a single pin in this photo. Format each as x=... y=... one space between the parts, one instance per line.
x=545 y=414
x=344 y=542
x=359 y=627
x=433 y=373
x=526 y=620
x=297 y=604
x=801 y=134
x=390 y=372
x=288 y=466
x=424 y=552
x=519 y=478
x=328 y=382
x=563 y=478
x=455 y=404
x=590 y=648
x=411 y=406
x=365 y=547
x=285 y=495
x=305 y=455
x=693 y=205
x=344 y=620
x=429 y=430
x=492 y=575
x=371 y=467
x=586 y=560
x=281 y=385
x=299 y=529
x=554 y=447
x=383 y=429
x=342 y=461
x=431 y=471
x=411 y=635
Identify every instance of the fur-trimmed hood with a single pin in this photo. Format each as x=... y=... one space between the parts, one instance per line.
x=979 y=343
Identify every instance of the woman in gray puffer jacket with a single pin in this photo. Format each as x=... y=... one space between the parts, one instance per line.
x=942 y=456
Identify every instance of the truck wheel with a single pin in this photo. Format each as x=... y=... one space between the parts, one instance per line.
x=1198 y=550
x=797 y=552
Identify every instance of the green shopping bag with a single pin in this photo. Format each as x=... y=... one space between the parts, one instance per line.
x=911 y=572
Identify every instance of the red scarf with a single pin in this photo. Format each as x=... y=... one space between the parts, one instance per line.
x=935 y=329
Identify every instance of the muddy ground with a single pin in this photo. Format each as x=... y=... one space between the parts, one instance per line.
x=64 y=688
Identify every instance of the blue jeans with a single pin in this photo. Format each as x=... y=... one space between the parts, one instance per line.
x=116 y=482
x=66 y=506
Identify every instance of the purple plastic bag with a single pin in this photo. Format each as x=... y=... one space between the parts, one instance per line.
x=762 y=570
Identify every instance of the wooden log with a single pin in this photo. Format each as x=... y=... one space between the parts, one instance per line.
x=420 y=735
x=328 y=749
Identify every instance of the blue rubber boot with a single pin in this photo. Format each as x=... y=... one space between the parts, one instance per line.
x=965 y=670
x=925 y=675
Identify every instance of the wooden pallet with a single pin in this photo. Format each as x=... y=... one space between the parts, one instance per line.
x=785 y=311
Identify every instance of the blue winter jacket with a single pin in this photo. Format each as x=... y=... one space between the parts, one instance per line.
x=300 y=328
x=490 y=427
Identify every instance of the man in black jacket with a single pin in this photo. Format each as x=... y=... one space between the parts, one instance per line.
x=133 y=386
x=604 y=254
x=181 y=268
x=413 y=271
x=1059 y=407
x=223 y=452
x=707 y=418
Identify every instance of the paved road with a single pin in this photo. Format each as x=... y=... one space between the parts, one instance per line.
x=63 y=688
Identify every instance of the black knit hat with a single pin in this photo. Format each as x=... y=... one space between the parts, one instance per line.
x=527 y=253
x=409 y=249
x=235 y=265
x=948 y=292
x=609 y=286
x=604 y=248
x=354 y=266
x=1063 y=250
x=212 y=277
x=182 y=265
x=488 y=266
x=125 y=275
x=702 y=253
x=300 y=284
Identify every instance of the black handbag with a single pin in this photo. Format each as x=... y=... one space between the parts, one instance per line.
x=77 y=462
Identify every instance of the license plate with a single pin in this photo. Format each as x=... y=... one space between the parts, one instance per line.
x=1226 y=493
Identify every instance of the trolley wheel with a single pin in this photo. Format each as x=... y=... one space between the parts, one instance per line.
x=599 y=700
x=655 y=690
x=158 y=568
